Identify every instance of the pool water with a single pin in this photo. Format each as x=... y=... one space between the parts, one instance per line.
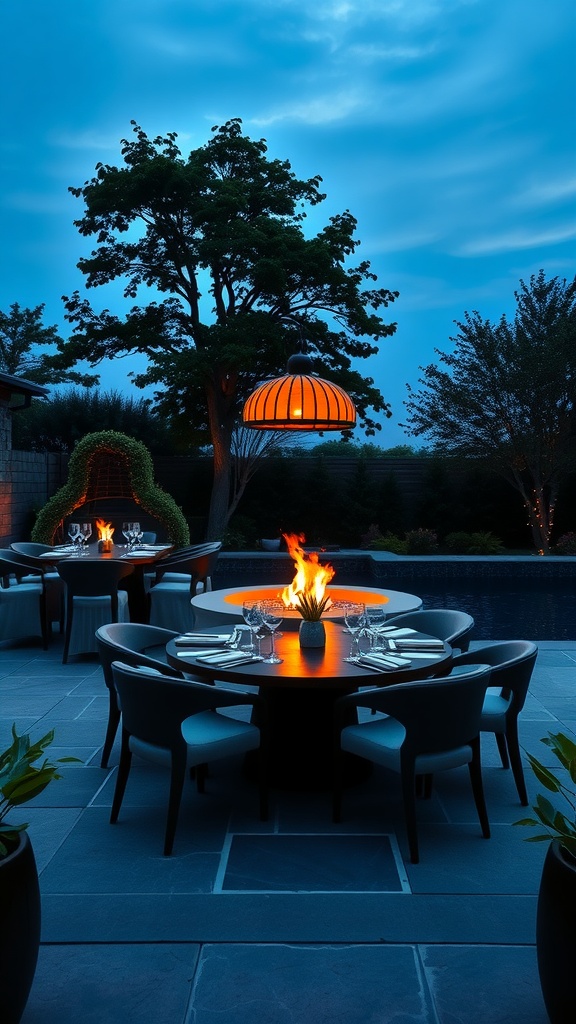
x=503 y=609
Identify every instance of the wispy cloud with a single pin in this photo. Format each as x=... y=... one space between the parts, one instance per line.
x=325 y=109
x=516 y=239
x=84 y=140
x=546 y=192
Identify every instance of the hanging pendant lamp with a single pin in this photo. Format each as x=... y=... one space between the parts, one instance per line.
x=299 y=401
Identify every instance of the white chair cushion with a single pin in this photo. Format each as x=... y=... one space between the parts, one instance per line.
x=209 y=735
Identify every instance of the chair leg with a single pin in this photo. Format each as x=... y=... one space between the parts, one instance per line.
x=502 y=749
x=68 y=633
x=337 y=788
x=475 y=769
x=177 y=777
x=111 y=729
x=123 y=773
x=408 y=796
x=516 y=760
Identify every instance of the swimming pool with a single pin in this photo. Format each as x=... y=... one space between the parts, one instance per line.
x=515 y=607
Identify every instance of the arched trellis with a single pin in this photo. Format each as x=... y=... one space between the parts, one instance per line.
x=128 y=465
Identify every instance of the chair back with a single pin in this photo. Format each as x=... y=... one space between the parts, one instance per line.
x=93 y=578
x=438 y=714
x=512 y=664
x=197 y=562
x=30 y=548
x=127 y=642
x=448 y=624
x=13 y=564
x=154 y=706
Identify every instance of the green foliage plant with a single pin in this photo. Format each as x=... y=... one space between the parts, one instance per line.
x=21 y=780
x=480 y=543
x=421 y=542
x=310 y=607
x=139 y=466
x=566 y=544
x=557 y=824
x=505 y=396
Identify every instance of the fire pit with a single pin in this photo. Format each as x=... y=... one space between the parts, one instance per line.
x=105 y=531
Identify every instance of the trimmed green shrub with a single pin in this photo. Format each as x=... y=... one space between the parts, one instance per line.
x=150 y=496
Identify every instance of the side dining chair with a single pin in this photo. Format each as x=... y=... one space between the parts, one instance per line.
x=448 y=624
x=512 y=664
x=22 y=599
x=430 y=726
x=178 y=724
x=92 y=599
x=176 y=581
x=29 y=552
x=135 y=644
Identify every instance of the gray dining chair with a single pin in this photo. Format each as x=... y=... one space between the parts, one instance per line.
x=448 y=624
x=29 y=552
x=512 y=664
x=22 y=599
x=179 y=725
x=430 y=726
x=93 y=598
x=136 y=644
x=177 y=579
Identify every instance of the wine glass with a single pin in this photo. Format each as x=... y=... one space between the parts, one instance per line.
x=252 y=615
x=85 y=533
x=126 y=528
x=355 y=619
x=271 y=618
x=74 y=532
x=376 y=617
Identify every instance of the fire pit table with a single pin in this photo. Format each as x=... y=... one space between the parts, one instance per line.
x=219 y=607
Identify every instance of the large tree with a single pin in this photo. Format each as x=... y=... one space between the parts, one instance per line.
x=508 y=396
x=226 y=221
x=22 y=335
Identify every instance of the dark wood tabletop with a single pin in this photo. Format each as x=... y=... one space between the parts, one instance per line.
x=144 y=557
x=318 y=667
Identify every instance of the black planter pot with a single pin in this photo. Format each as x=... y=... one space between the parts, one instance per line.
x=556 y=934
x=19 y=928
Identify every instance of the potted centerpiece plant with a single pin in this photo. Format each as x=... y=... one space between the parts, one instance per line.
x=556 y=913
x=312 y=632
x=20 y=781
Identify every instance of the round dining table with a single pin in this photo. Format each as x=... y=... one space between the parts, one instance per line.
x=140 y=558
x=300 y=694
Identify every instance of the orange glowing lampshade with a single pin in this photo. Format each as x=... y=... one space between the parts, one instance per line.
x=299 y=401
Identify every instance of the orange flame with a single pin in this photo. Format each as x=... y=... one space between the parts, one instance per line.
x=105 y=530
x=311 y=577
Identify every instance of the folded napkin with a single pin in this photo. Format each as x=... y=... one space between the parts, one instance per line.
x=199 y=639
x=136 y=554
x=397 y=631
x=227 y=659
x=420 y=645
x=429 y=655
x=62 y=549
x=384 y=662
x=205 y=651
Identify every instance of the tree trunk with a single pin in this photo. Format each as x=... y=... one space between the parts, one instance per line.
x=221 y=433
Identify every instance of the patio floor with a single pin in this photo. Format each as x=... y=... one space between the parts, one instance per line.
x=287 y=922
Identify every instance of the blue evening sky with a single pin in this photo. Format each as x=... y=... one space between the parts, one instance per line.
x=447 y=127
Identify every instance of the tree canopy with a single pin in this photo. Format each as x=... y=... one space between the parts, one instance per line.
x=508 y=396
x=21 y=336
x=216 y=242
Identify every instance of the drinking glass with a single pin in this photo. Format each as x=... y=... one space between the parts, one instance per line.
x=355 y=619
x=74 y=532
x=252 y=615
x=272 y=618
x=126 y=528
x=86 y=533
x=135 y=534
x=376 y=617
